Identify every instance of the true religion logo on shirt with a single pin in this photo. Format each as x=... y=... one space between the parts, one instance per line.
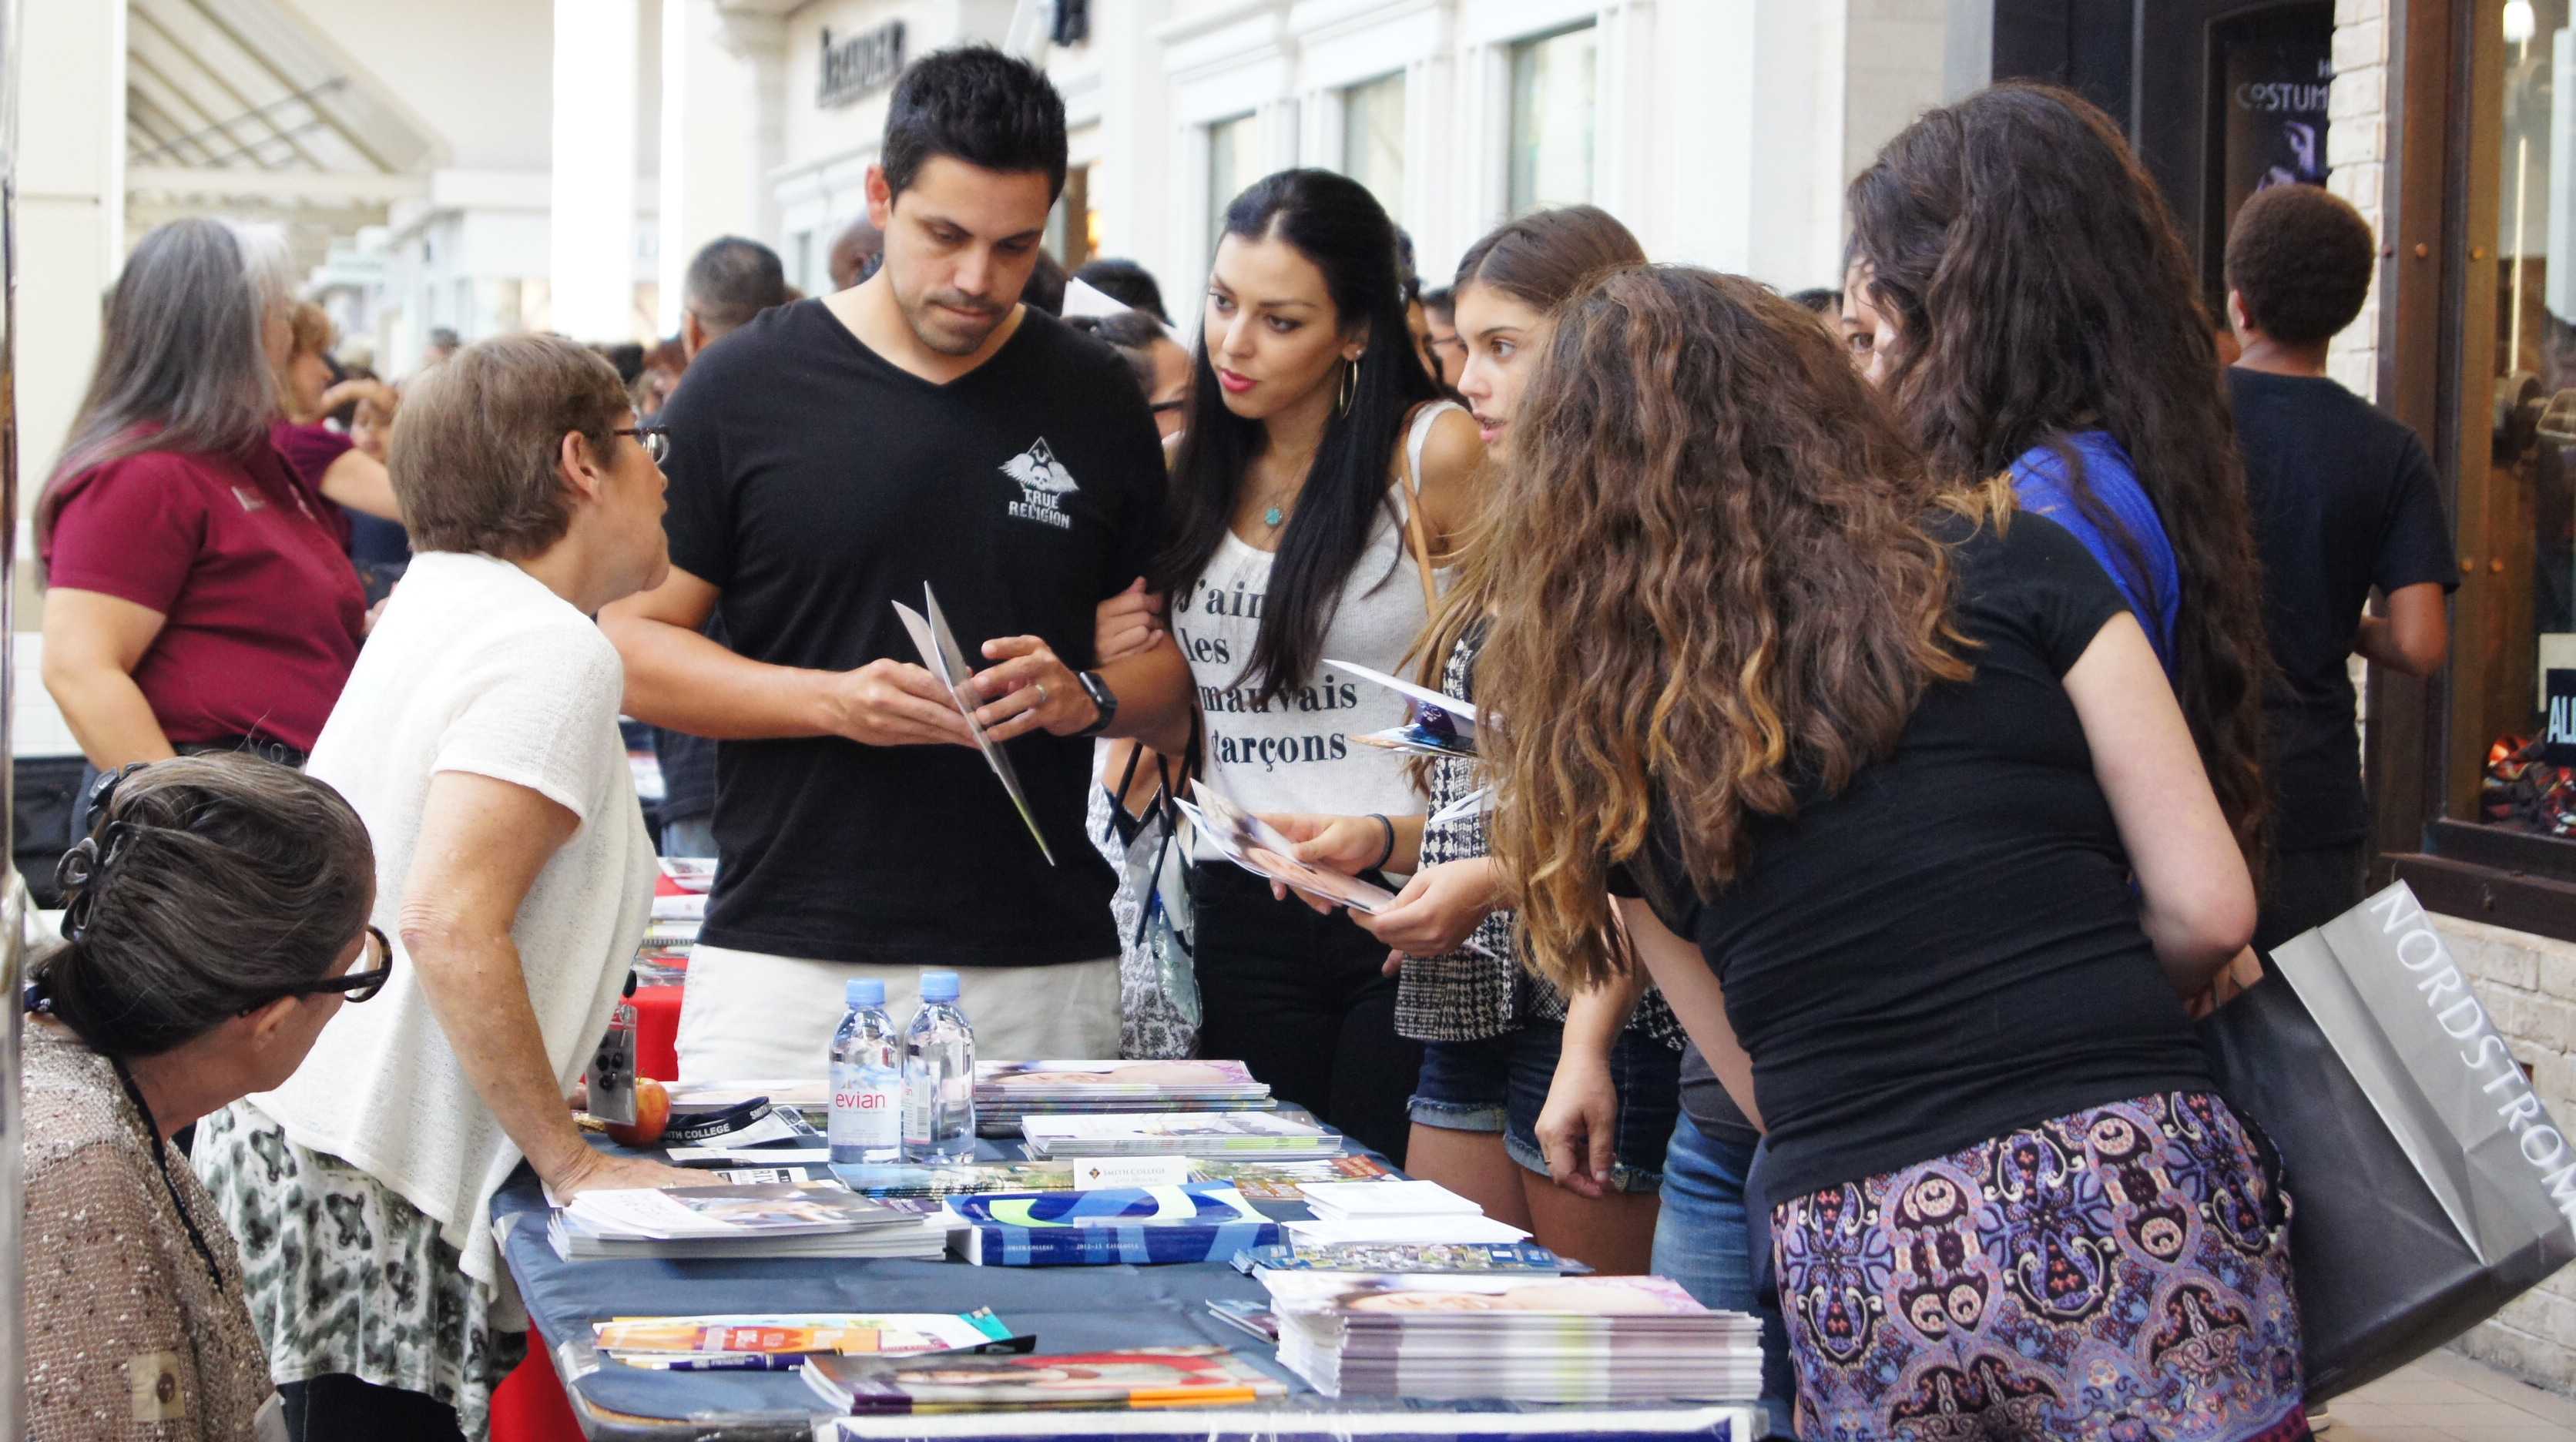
x=1044 y=482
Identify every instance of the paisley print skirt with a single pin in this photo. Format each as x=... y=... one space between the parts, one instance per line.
x=344 y=1276
x=2120 y=1273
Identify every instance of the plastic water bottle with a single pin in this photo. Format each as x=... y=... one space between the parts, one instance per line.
x=938 y=1076
x=867 y=1080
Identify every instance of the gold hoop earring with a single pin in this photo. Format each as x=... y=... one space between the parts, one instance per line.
x=1350 y=387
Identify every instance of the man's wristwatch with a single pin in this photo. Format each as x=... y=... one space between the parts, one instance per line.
x=1102 y=697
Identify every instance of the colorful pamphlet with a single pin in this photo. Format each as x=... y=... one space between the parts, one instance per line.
x=1434 y=724
x=1217 y=1134
x=1195 y=1222
x=940 y=652
x=1257 y=847
x=663 y=1341
x=1286 y=1181
x=1406 y=1257
x=737 y=1221
x=1138 y=1377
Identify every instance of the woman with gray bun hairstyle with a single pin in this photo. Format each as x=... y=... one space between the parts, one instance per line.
x=215 y=917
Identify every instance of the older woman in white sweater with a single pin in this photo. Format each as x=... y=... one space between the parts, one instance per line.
x=478 y=739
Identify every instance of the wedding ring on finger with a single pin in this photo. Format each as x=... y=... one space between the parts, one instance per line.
x=1041 y=694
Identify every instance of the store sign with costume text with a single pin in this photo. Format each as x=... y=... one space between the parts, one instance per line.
x=860 y=66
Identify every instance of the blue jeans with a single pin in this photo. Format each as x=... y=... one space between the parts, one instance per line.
x=1704 y=1242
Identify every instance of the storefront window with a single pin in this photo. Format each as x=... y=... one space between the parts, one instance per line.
x=2516 y=642
x=1230 y=166
x=1552 y=99
x=1373 y=140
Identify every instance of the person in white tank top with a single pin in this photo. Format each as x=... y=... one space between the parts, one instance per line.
x=1319 y=480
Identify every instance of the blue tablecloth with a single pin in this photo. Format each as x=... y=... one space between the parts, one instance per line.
x=1069 y=1309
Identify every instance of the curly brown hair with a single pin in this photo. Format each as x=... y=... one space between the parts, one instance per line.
x=2040 y=289
x=2301 y=259
x=1716 y=583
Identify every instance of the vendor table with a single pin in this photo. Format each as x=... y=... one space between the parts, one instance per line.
x=1070 y=1309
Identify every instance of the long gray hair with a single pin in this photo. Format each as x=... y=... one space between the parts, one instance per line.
x=210 y=884
x=183 y=366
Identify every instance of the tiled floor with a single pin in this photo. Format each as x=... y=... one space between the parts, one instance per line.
x=2450 y=1397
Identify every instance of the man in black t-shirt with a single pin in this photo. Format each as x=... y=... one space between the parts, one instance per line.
x=828 y=460
x=2344 y=502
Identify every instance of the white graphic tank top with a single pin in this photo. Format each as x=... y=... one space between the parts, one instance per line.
x=1293 y=752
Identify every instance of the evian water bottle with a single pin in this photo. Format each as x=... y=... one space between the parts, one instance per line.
x=938 y=1076
x=867 y=1080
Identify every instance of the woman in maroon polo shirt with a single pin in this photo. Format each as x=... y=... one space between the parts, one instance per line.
x=198 y=597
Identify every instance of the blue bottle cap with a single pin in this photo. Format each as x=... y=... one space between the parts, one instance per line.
x=863 y=991
x=939 y=986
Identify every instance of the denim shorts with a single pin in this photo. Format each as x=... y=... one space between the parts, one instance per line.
x=1499 y=1084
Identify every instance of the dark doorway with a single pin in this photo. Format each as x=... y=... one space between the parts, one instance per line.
x=2219 y=96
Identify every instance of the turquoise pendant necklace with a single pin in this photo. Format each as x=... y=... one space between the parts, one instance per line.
x=1272 y=517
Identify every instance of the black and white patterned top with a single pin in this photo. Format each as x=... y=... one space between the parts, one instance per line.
x=1463 y=996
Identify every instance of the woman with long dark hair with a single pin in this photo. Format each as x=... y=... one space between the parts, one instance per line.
x=1318 y=484
x=2037 y=312
x=1518 y=1080
x=1877 y=759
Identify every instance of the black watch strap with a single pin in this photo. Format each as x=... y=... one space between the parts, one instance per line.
x=1102 y=697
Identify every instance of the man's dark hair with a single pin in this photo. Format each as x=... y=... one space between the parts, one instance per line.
x=731 y=281
x=1822 y=299
x=1045 y=290
x=442 y=337
x=980 y=106
x=2301 y=256
x=1441 y=300
x=1125 y=282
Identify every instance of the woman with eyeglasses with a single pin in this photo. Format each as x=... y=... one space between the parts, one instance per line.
x=215 y=917
x=478 y=739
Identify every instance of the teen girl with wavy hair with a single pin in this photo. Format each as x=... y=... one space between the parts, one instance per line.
x=1517 y=1078
x=1879 y=768
x=2037 y=312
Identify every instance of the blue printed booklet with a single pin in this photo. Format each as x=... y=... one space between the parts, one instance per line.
x=1192 y=1222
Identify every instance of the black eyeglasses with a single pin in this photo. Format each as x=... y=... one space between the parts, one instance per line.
x=353 y=986
x=656 y=440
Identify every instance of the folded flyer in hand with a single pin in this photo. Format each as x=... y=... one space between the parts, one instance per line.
x=940 y=652
x=1257 y=847
x=1434 y=724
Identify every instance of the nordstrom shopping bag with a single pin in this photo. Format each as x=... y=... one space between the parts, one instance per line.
x=2428 y=1184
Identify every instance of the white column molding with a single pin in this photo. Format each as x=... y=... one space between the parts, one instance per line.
x=594 y=157
x=71 y=238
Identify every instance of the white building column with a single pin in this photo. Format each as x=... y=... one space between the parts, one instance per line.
x=71 y=215
x=592 y=233
x=723 y=132
x=1133 y=187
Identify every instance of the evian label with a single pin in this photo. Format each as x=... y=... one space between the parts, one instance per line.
x=867 y=1109
x=2482 y=1052
x=1044 y=483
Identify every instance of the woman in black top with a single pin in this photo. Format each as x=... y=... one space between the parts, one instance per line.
x=1890 y=762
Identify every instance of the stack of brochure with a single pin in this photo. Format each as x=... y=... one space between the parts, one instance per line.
x=755 y=1221
x=1157 y=1377
x=1515 y=1337
x=1193 y=1222
x=1006 y=1091
x=1355 y=1201
x=779 y=1340
x=1212 y=1134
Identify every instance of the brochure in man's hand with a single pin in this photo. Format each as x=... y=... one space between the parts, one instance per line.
x=1257 y=847
x=940 y=652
